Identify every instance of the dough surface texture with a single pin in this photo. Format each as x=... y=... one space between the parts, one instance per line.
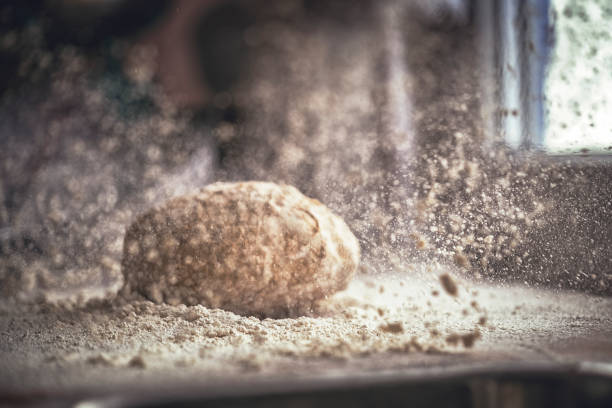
x=253 y=248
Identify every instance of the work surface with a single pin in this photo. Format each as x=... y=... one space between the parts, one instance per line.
x=381 y=328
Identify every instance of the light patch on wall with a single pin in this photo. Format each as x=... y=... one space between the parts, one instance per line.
x=580 y=78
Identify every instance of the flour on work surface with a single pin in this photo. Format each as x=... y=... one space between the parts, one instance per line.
x=141 y=335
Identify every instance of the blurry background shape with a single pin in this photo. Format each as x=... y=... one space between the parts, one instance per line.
x=551 y=69
x=579 y=80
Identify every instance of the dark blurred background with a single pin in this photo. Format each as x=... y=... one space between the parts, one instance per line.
x=108 y=107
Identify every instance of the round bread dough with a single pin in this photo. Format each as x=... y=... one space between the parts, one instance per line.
x=253 y=248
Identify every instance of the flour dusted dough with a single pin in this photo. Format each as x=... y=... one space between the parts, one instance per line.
x=251 y=248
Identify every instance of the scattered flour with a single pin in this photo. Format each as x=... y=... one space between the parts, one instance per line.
x=124 y=344
x=129 y=335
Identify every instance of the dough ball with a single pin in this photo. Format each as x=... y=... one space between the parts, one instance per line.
x=253 y=248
